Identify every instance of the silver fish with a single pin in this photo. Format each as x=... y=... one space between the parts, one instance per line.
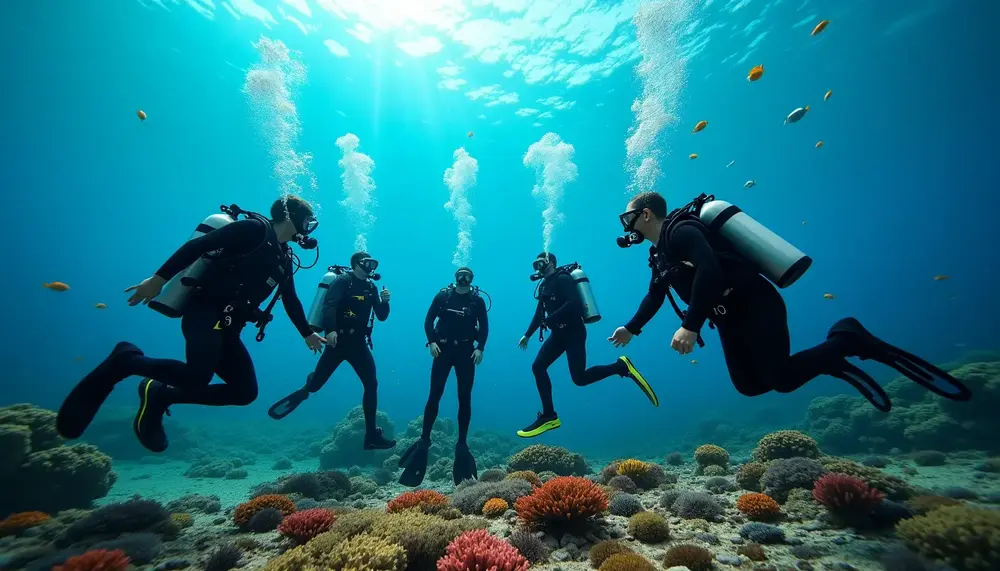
x=750 y=184
x=794 y=116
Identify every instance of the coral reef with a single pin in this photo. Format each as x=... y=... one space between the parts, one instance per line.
x=224 y=558
x=623 y=484
x=787 y=474
x=628 y=561
x=345 y=445
x=267 y=519
x=711 y=455
x=748 y=475
x=696 y=505
x=600 y=552
x=762 y=533
x=785 y=444
x=471 y=498
x=624 y=505
x=492 y=475
x=246 y=510
x=968 y=538
x=541 y=458
x=929 y=458
x=304 y=525
x=560 y=503
x=752 y=551
x=850 y=500
x=893 y=487
x=649 y=527
x=140 y=548
x=49 y=476
x=95 y=560
x=693 y=557
x=758 y=506
x=15 y=524
x=495 y=507
x=530 y=546
x=112 y=520
x=480 y=550
x=427 y=501
x=526 y=475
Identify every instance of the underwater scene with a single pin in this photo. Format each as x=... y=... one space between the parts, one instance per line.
x=496 y=285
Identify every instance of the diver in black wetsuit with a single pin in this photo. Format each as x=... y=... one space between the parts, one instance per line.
x=255 y=259
x=724 y=288
x=347 y=307
x=457 y=341
x=560 y=309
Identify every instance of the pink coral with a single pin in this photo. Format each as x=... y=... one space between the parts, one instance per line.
x=481 y=551
x=302 y=526
x=846 y=496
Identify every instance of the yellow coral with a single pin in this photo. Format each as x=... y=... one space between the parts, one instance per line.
x=526 y=475
x=785 y=444
x=182 y=520
x=649 y=527
x=629 y=561
x=633 y=468
x=711 y=455
x=367 y=553
x=495 y=507
x=967 y=538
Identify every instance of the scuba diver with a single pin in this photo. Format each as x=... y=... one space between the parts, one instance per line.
x=565 y=305
x=215 y=282
x=457 y=341
x=720 y=261
x=346 y=305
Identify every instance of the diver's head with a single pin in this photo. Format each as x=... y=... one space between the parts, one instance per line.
x=363 y=265
x=463 y=277
x=642 y=219
x=544 y=264
x=292 y=216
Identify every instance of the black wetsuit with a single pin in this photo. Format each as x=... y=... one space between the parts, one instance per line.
x=747 y=310
x=346 y=309
x=249 y=269
x=462 y=327
x=561 y=310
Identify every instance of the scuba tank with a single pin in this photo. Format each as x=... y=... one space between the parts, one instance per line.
x=315 y=316
x=176 y=292
x=590 y=312
x=777 y=260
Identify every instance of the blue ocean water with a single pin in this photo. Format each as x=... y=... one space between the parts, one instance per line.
x=902 y=190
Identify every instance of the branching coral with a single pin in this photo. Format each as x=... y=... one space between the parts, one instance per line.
x=561 y=502
x=480 y=550
x=849 y=499
x=894 y=488
x=424 y=500
x=785 y=444
x=965 y=537
x=302 y=526
x=758 y=506
x=246 y=510
x=366 y=553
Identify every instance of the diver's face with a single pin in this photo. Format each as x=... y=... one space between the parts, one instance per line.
x=463 y=279
x=643 y=221
x=367 y=266
x=542 y=266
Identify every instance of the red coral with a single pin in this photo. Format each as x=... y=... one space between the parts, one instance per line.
x=302 y=526
x=846 y=496
x=96 y=560
x=566 y=500
x=417 y=499
x=480 y=550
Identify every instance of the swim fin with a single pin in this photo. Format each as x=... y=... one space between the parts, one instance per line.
x=86 y=398
x=866 y=346
x=464 y=467
x=862 y=381
x=285 y=406
x=414 y=463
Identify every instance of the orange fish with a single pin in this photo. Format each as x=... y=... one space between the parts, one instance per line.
x=941 y=278
x=693 y=156
x=471 y=134
x=141 y=114
x=827 y=95
x=755 y=72
x=820 y=27
x=819 y=144
x=101 y=305
x=829 y=296
x=700 y=125
x=56 y=286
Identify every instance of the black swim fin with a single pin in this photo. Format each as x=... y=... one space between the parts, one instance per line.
x=464 y=467
x=862 y=381
x=414 y=463
x=285 y=406
x=866 y=346
x=86 y=398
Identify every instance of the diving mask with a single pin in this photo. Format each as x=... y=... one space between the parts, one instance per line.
x=540 y=264
x=463 y=277
x=368 y=265
x=308 y=225
x=631 y=236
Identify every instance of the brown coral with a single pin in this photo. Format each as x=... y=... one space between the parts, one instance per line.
x=245 y=511
x=785 y=444
x=691 y=556
x=711 y=455
x=752 y=551
x=925 y=504
x=600 y=552
x=748 y=475
x=627 y=562
x=758 y=506
x=649 y=527
x=526 y=475
x=495 y=507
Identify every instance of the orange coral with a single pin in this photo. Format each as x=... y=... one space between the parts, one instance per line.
x=526 y=475
x=561 y=501
x=421 y=499
x=14 y=524
x=633 y=468
x=757 y=506
x=245 y=511
x=495 y=507
x=96 y=560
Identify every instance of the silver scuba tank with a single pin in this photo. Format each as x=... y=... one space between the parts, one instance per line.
x=316 y=309
x=174 y=295
x=590 y=312
x=778 y=261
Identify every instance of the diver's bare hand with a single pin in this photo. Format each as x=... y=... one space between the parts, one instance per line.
x=523 y=343
x=477 y=356
x=621 y=337
x=435 y=350
x=331 y=339
x=146 y=290
x=315 y=342
x=683 y=341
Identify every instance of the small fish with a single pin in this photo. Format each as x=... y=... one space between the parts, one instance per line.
x=827 y=95
x=694 y=361
x=731 y=163
x=471 y=134
x=941 y=278
x=796 y=115
x=141 y=114
x=829 y=296
x=693 y=156
x=56 y=286
x=700 y=125
x=820 y=27
x=804 y=222
x=819 y=144
x=101 y=305
x=750 y=184
x=755 y=72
